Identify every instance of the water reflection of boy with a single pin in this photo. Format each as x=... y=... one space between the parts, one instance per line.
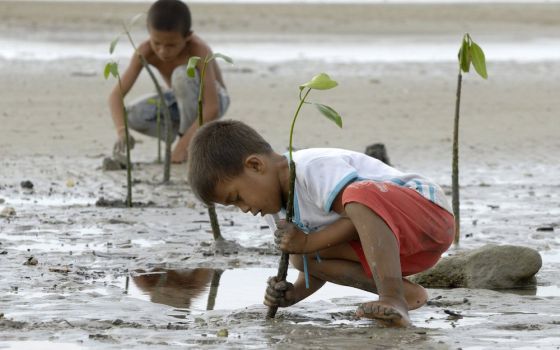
x=168 y=49
x=175 y=288
x=370 y=224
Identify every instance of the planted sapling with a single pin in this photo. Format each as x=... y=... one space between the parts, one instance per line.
x=469 y=53
x=163 y=106
x=157 y=103
x=112 y=68
x=319 y=82
x=191 y=73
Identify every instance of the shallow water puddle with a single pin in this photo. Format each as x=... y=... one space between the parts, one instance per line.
x=194 y=291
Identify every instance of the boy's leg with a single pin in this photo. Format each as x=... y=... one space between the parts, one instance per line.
x=186 y=91
x=382 y=252
x=341 y=265
x=142 y=115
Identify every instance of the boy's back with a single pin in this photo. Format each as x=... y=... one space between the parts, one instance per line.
x=323 y=172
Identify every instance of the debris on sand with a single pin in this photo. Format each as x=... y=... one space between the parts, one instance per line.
x=28 y=185
x=31 y=261
x=7 y=212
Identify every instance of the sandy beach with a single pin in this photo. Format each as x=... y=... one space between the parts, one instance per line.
x=396 y=68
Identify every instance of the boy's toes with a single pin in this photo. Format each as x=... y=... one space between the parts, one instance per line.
x=386 y=315
x=378 y=311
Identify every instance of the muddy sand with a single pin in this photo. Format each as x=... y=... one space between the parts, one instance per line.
x=77 y=276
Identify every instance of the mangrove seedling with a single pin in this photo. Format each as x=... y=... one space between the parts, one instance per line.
x=112 y=68
x=166 y=111
x=469 y=53
x=191 y=73
x=319 y=82
x=156 y=102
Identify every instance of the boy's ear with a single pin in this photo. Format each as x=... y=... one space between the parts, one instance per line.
x=255 y=162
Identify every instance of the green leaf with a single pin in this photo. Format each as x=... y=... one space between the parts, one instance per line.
x=114 y=44
x=478 y=60
x=465 y=56
x=153 y=101
x=320 y=82
x=114 y=69
x=330 y=114
x=107 y=70
x=191 y=66
x=222 y=56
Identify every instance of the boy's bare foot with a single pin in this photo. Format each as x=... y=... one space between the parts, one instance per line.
x=385 y=312
x=415 y=295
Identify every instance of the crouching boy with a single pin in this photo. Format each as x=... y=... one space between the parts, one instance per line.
x=357 y=221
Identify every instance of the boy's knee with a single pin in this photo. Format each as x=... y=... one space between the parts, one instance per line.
x=179 y=78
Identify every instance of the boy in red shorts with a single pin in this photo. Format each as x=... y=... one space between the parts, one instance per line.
x=357 y=221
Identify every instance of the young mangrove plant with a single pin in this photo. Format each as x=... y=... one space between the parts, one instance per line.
x=469 y=53
x=112 y=68
x=156 y=102
x=162 y=104
x=319 y=82
x=191 y=73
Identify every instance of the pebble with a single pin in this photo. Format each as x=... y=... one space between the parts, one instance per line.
x=31 y=261
x=27 y=184
x=7 y=212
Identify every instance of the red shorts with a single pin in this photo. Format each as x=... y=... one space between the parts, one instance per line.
x=423 y=229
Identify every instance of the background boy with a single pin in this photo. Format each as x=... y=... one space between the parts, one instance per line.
x=355 y=217
x=168 y=49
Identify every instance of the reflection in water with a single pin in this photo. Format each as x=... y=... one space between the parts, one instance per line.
x=178 y=288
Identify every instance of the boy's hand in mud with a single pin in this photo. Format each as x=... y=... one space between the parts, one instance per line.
x=120 y=146
x=289 y=239
x=179 y=155
x=279 y=293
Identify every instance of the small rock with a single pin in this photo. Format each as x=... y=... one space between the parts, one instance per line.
x=2 y=200
x=27 y=184
x=489 y=267
x=7 y=212
x=223 y=333
x=110 y=164
x=31 y=261
x=378 y=151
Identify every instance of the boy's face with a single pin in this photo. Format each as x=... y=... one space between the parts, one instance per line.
x=167 y=45
x=256 y=190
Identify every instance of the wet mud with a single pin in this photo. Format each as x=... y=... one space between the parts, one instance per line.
x=112 y=277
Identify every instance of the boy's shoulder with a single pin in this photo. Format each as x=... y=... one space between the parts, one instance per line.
x=315 y=155
x=197 y=46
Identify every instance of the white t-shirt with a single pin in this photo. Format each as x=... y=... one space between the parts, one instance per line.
x=322 y=172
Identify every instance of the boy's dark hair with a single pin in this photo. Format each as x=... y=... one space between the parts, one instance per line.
x=170 y=16
x=218 y=151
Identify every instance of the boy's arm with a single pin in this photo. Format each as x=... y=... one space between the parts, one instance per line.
x=210 y=110
x=292 y=240
x=118 y=93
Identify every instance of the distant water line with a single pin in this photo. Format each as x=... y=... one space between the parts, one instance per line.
x=405 y=49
